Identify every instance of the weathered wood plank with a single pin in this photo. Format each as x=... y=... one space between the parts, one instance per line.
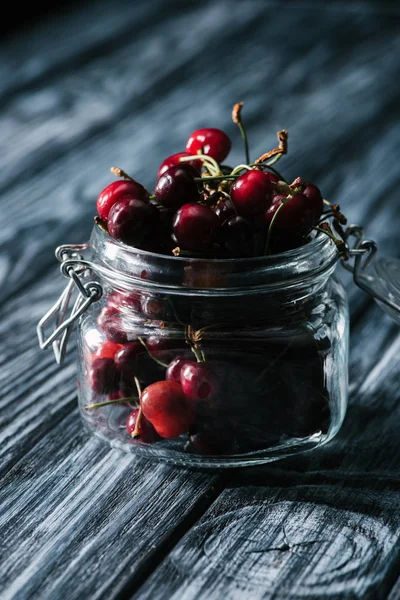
x=325 y=524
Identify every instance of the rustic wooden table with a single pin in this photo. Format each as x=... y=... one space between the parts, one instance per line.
x=124 y=83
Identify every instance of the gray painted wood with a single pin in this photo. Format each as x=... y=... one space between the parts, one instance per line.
x=124 y=83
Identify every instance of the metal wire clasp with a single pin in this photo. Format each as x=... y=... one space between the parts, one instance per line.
x=71 y=266
x=364 y=252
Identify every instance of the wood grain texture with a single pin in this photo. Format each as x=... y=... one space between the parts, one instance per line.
x=124 y=83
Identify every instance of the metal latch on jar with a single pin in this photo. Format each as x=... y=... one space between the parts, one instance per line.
x=71 y=266
x=383 y=285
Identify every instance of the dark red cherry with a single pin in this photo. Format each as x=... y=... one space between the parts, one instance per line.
x=147 y=433
x=132 y=221
x=236 y=237
x=114 y=332
x=177 y=186
x=173 y=372
x=107 y=350
x=174 y=159
x=104 y=376
x=107 y=312
x=126 y=359
x=316 y=202
x=198 y=380
x=115 y=191
x=224 y=209
x=295 y=217
x=211 y=141
x=272 y=177
x=252 y=193
x=165 y=405
x=195 y=226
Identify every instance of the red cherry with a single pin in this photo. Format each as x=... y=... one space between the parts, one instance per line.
x=114 y=332
x=146 y=431
x=107 y=350
x=272 y=177
x=107 y=312
x=173 y=372
x=296 y=216
x=126 y=359
x=174 y=159
x=316 y=202
x=211 y=141
x=225 y=209
x=115 y=191
x=132 y=221
x=195 y=226
x=177 y=186
x=198 y=380
x=165 y=405
x=252 y=193
x=104 y=376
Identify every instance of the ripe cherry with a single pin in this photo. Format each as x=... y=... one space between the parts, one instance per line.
x=104 y=376
x=236 y=237
x=115 y=191
x=132 y=221
x=107 y=350
x=224 y=209
x=174 y=160
x=198 y=380
x=295 y=217
x=147 y=433
x=173 y=372
x=316 y=202
x=177 y=186
x=195 y=226
x=165 y=405
x=126 y=359
x=211 y=141
x=251 y=193
x=107 y=312
x=114 y=332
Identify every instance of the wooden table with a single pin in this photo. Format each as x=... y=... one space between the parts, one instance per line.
x=118 y=83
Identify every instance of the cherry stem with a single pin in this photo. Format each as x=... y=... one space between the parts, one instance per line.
x=330 y=235
x=266 y=250
x=215 y=178
x=160 y=362
x=199 y=356
x=121 y=173
x=135 y=433
x=240 y=168
x=207 y=162
x=117 y=401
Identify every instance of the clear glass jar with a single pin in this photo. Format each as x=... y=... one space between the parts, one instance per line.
x=271 y=332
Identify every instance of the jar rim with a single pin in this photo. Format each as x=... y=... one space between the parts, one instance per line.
x=318 y=256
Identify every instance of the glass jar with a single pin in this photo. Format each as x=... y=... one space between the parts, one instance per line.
x=266 y=341
x=236 y=362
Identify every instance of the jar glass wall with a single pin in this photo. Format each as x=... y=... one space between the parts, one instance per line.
x=263 y=343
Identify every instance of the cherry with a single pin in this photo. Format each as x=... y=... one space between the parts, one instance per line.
x=126 y=359
x=272 y=177
x=174 y=159
x=132 y=221
x=316 y=202
x=198 y=380
x=195 y=226
x=114 y=332
x=251 y=193
x=115 y=191
x=173 y=372
x=166 y=407
x=154 y=308
x=210 y=141
x=104 y=376
x=177 y=186
x=236 y=237
x=147 y=433
x=295 y=217
x=107 y=350
x=107 y=312
x=224 y=209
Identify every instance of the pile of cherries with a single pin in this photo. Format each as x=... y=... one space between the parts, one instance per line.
x=200 y=208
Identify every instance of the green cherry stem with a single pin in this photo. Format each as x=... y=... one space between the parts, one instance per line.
x=268 y=166
x=160 y=362
x=215 y=178
x=237 y=119
x=108 y=402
